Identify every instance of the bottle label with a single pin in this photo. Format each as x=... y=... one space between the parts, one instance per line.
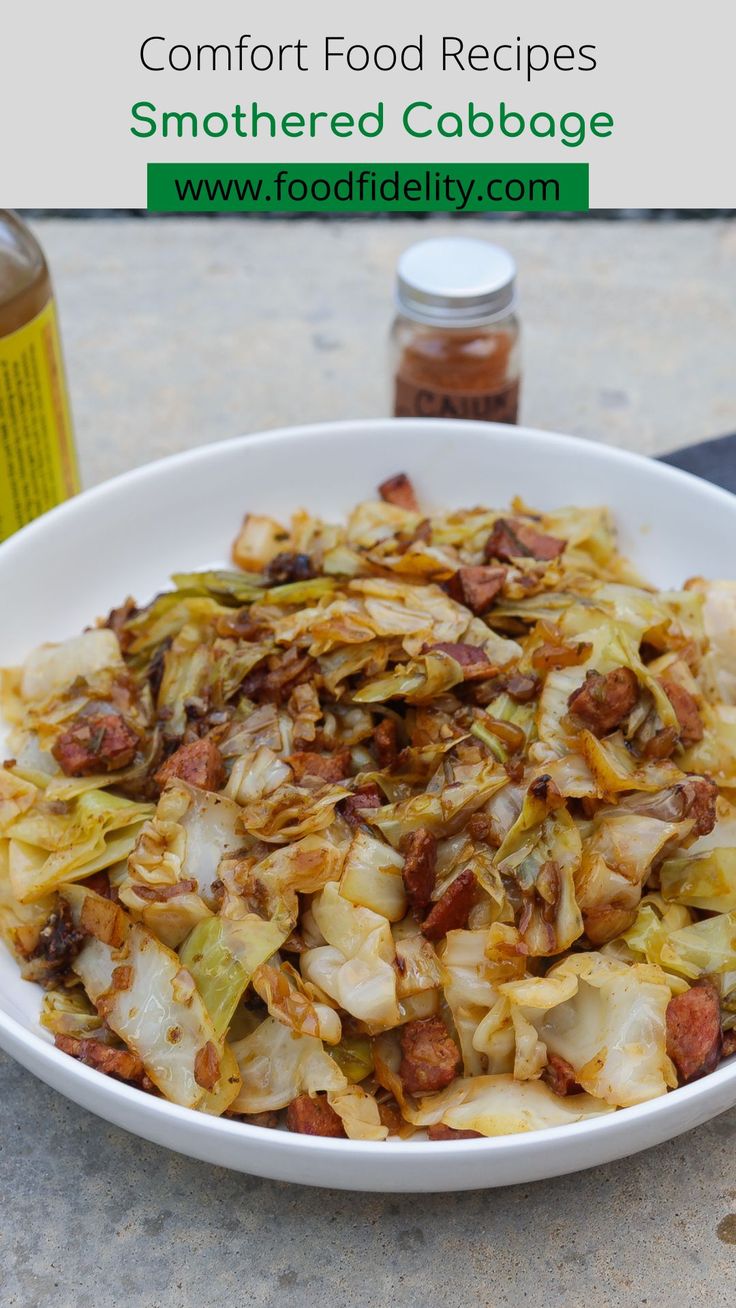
x=414 y=401
x=38 y=466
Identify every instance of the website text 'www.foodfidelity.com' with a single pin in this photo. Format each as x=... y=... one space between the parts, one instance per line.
x=384 y=188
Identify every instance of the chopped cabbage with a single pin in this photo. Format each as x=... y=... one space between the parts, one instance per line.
x=146 y=1001
x=607 y=1020
x=356 y=965
x=372 y=877
x=276 y=1066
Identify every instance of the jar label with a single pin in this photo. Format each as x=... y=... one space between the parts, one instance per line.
x=415 y=401
x=38 y=466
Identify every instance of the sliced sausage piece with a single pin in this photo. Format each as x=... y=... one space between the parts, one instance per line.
x=200 y=763
x=694 y=1031
x=451 y=912
x=560 y=1076
x=385 y=743
x=700 y=794
x=513 y=539
x=604 y=700
x=420 y=859
x=442 y=1132
x=473 y=660
x=686 y=712
x=399 y=490
x=476 y=587
x=113 y=1062
x=365 y=797
x=431 y=1059
x=95 y=742
x=313 y=1115
x=330 y=767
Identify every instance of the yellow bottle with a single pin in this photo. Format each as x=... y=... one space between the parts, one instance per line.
x=38 y=463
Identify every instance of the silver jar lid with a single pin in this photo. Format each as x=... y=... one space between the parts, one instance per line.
x=454 y=281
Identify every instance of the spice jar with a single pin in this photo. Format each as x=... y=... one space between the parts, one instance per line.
x=38 y=466
x=456 y=338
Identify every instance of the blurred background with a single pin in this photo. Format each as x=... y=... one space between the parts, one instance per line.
x=179 y=331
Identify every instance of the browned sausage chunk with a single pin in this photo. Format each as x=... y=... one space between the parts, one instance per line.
x=399 y=490
x=473 y=660
x=330 y=767
x=560 y=1076
x=450 y=913
x=312 y=1115
x=694 y=1031
x=442 y=1132
x=199 y=763
x=431 y=1059
x=113 y=1062
x=603 y=701
x=95 y=742
x=476 y=587
x=385 y=743
x=365 y=797
x=513 y=539
x=686 y=712
x=420 y=857
x=701 y=794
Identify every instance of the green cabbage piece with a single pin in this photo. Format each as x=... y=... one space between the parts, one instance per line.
x=48 y=849
x=158 y=1012
x=185 y=841
x=354 y=1057
x=221 y=979
x=355 y=967
x=607 y=1019
x=443 y=811
x=701 y=948
x=276 y=1066
x=500 y=1105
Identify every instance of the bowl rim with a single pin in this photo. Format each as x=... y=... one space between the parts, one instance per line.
x=40 y=1050
x=600 y=451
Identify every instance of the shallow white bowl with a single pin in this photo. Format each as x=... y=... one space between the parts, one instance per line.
x=127 y=537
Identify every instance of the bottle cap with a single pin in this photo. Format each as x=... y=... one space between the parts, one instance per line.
x=455 y=282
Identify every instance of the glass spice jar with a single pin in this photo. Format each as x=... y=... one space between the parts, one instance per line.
x=455 y=340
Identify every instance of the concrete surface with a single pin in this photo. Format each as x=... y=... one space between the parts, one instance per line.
x=178 y=332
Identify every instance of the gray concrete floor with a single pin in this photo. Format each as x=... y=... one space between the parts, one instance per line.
x=179 y=332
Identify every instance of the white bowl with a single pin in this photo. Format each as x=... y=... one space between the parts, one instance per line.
x=128 y=536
